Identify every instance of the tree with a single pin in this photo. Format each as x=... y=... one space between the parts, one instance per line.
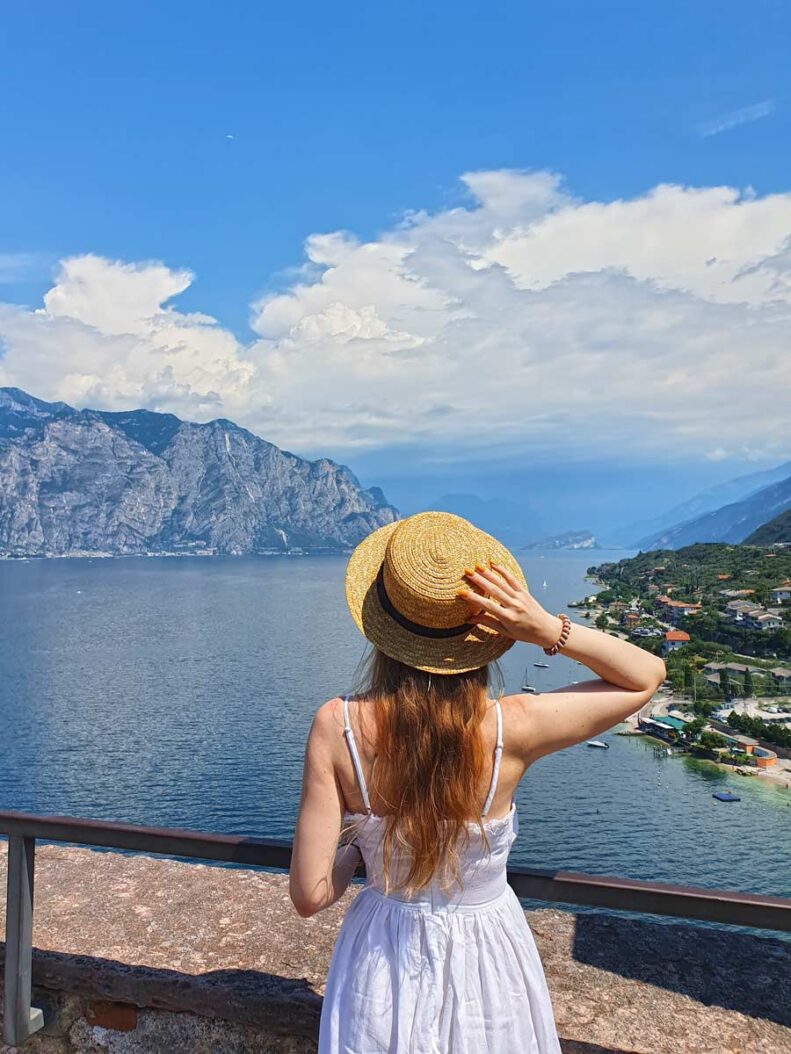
x=602 y=621
x=689 y=679
x=748 y=684
x=693 y=728
x=712 y=740
x=702 y=708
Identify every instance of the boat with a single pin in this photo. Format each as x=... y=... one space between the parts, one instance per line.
x=598 y=743
x=544 y=584
x=726 y=795
x=527 y=686
x=542 y=665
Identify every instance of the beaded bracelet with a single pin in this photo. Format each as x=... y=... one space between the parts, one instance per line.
x=564 y=636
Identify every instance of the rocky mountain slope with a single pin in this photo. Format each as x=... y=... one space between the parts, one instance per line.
x=86 y=481
x=731 y=523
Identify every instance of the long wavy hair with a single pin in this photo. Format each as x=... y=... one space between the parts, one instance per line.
x=429 y=764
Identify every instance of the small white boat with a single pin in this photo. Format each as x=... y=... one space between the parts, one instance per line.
x=527 y=686
x=598 y=743
x=542 y=665
x=544 y=584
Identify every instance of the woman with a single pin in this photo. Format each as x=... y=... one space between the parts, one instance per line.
x=420 y=767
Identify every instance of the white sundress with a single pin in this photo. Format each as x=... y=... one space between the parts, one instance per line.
x=437 y=973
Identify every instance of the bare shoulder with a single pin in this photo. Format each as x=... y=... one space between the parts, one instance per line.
x=328 y=721
x=520 y=723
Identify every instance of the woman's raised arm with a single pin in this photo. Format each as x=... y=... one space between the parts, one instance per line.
x=628 y=675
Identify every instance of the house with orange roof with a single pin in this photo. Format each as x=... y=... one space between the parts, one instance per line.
x=675 y=639
x=675 y=609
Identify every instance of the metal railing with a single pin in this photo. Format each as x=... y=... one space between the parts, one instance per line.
x=564 y=887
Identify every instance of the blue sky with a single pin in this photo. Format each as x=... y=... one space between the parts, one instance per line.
x=218 y=138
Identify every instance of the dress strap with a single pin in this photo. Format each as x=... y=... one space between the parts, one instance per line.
x=352 y=744
x=498 y=753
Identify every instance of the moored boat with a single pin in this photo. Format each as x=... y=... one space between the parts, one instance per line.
x=527 y=686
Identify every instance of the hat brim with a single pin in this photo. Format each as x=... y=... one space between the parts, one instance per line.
x=460 y=654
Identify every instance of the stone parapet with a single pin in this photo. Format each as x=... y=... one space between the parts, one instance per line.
x=142 y=954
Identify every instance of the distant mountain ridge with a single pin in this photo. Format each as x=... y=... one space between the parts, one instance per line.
x=732 y=523
x=511 y=523
x=646 y=534
x=91 y=481
x=567 y=540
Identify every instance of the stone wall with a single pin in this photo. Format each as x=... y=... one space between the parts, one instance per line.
x=140 y=954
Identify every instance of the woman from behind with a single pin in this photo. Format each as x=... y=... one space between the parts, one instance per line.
x=416 y=776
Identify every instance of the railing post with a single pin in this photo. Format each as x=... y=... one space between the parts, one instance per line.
x=20 y=1020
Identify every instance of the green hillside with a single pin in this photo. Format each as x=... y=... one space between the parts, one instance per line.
x=710 y=575
x=772 y=533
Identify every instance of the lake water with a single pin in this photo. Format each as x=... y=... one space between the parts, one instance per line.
x=179 y=692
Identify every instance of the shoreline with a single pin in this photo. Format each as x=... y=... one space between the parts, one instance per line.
x=781 y=779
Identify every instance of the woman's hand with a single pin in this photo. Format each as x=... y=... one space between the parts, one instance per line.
x=509 y=608
x=628 y=676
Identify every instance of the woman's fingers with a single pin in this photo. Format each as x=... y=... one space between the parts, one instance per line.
x=479 y=602
x=492 y=623
x=491 y=576
x=509 y=578
x=488 y=583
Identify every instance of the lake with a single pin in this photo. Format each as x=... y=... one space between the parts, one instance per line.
x=179 y=692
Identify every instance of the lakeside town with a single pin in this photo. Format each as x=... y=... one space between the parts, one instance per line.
x=720 y=615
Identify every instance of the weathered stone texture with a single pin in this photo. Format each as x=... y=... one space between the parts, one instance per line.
x=224 y=947
x=156 y=1032
x=86 y=481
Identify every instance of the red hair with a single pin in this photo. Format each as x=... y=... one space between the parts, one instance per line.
x=430 y=761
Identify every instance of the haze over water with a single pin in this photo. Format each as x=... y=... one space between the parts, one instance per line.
x=179 y=692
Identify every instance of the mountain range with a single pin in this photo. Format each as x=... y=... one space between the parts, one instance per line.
x=567 y=540
x=735 y=522
x=75 y=482
x=646 y=534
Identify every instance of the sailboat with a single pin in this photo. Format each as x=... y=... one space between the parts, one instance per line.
x=527 y=686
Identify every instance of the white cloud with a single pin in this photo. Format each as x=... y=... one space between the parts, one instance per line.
x=525 y=319
x=104 y=339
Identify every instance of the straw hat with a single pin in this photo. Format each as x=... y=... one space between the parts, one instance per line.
x=401 y=587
